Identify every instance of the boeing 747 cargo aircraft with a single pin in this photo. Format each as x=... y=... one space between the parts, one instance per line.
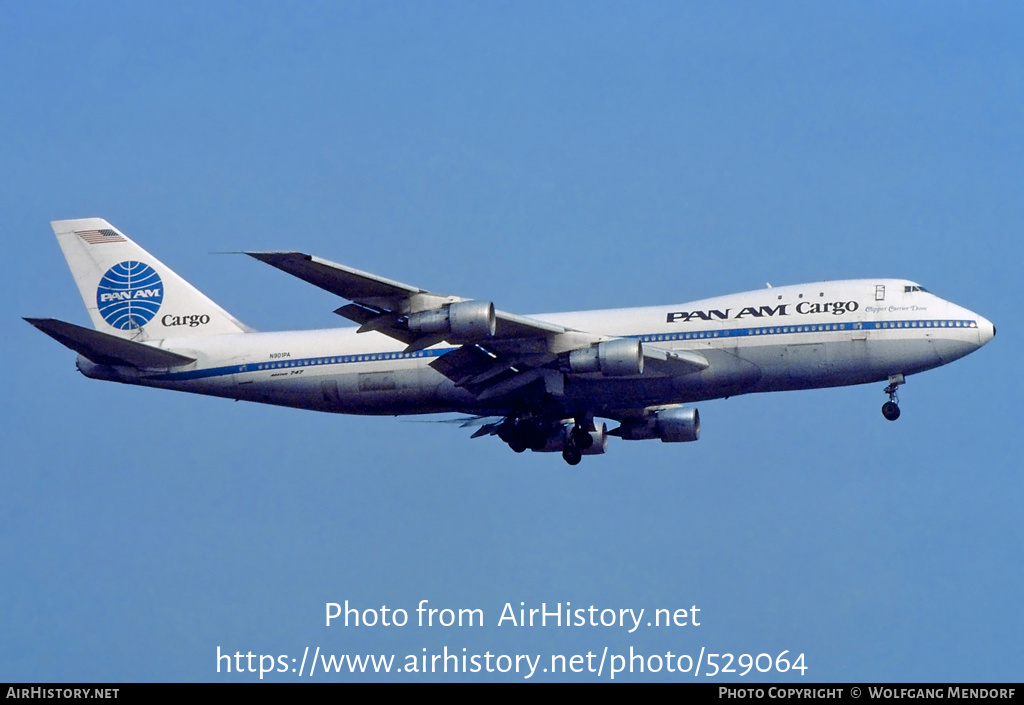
x=541 y=382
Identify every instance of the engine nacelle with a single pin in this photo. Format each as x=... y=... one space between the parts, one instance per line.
x=622 y=357
x=676 y=425
x=462 y=321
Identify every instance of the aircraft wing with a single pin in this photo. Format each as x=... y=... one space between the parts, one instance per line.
x=498 y=352
x=346 y=282
x=380 y=303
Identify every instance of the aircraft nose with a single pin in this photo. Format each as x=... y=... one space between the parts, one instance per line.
x=986 y=331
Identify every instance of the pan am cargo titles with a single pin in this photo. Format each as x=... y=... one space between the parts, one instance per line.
x=836 y=308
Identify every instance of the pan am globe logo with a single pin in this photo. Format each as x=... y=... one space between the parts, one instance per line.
x=129 y=295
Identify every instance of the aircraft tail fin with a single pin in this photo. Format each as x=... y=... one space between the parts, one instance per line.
x=129 y=293
x=106 y=349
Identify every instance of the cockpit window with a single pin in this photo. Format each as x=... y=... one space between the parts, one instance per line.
x=915 y=287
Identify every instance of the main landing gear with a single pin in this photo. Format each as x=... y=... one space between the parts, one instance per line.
x=578 y=440
x=891 y=408
x=545 y=434
x=525 y=433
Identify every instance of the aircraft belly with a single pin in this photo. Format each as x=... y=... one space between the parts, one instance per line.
x=384 y=392
x=610 y=393
x=727 y=374
x=949 y=349
x=838 y=363
x=407 y=391
x=906 y=356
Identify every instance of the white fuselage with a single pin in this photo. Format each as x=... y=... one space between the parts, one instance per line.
x=793 y=337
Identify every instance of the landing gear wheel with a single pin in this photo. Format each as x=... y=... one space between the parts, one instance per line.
x=517 y=445
x=581 y=438
x=572 y=455
x=891 y=410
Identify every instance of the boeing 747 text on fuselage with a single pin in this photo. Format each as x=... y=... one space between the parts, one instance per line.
x=540 y=382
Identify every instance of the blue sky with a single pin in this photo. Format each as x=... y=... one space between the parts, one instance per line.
x=546 y=156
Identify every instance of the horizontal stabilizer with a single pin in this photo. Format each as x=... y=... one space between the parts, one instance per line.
x=105 y=349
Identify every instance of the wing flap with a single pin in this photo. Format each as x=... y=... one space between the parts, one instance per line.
x=105 y=349
x=488 y=375
x=463 y=363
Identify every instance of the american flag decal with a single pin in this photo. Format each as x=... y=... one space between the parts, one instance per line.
x=99 y=237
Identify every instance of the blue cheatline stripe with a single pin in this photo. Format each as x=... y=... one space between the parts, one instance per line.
x=807 y=328
x=323 y=360
x=293 y=363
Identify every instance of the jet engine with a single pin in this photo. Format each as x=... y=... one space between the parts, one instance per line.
x=463 y=321
x=672 y=425
x=622 y=357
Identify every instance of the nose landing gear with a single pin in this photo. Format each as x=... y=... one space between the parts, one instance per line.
x=891 y=408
